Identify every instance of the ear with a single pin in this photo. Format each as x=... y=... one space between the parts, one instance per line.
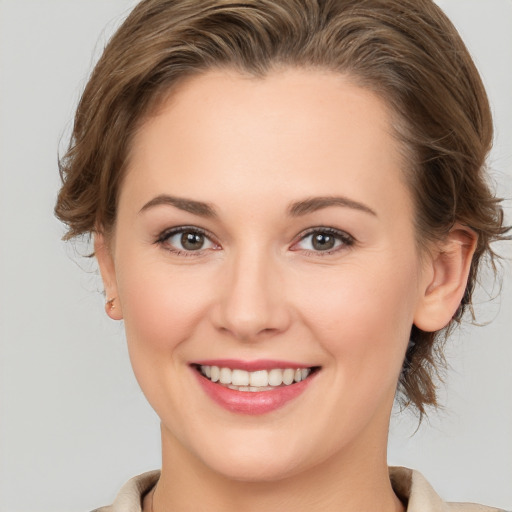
x=446 y=275
x=105 y=259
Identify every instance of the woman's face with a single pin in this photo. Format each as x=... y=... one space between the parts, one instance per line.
x=264 y=224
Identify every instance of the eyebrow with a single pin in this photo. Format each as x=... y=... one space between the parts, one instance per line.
x=314 y=204
x=296 y=209
x=187 y=205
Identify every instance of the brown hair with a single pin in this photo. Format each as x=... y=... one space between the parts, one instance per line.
x=406 y=51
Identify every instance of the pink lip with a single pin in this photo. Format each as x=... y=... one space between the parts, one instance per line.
x=251 y=366
x=252 y=403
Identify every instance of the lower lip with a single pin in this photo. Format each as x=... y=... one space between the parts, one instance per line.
x=252 y=402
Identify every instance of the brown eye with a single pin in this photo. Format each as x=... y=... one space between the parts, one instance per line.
x=323 y=241
x=192 y=241
x=186 y=240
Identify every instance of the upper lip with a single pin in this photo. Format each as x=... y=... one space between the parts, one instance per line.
x=251 y=366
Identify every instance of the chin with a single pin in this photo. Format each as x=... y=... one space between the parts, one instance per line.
x=245 y=458
x=254 y=469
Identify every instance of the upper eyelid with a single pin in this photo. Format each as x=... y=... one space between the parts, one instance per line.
x=324 y=229
x=166 y=233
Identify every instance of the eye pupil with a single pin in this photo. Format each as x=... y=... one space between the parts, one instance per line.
x=323 y=241
x=192 y=241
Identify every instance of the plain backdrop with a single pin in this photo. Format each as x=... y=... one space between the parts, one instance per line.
x=74 y=425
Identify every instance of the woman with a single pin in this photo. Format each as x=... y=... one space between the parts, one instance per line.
x=289 y=210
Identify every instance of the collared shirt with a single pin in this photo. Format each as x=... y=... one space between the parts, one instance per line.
x=409 y=485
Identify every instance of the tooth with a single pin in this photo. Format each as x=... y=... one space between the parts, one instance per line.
x=275 y=377
x=214 y=373
x=225 y=376
x=259 y=378
x=288 y=376
x=240 y=378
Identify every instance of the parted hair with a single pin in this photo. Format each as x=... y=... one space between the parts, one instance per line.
x=405 y=51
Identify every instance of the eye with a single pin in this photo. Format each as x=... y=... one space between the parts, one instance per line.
x=186 y=240
x=323 y=240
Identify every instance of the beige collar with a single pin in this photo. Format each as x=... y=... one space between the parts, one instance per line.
x=409 y=485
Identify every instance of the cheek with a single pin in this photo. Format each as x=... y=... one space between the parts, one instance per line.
x=161 y=305
x=362 y=315
x=162 y=308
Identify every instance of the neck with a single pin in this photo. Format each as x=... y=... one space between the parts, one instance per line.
x=356 y=481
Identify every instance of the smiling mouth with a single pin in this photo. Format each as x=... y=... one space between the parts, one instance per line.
x=260 y=380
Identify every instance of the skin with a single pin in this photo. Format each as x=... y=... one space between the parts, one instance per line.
x=250 y=148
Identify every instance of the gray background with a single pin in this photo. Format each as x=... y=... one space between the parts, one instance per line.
x=73 y=423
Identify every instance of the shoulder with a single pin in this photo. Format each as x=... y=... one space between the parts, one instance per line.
x=412 y=488
x=130 y=496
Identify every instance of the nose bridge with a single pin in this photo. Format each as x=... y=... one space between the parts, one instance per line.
x=253 y=300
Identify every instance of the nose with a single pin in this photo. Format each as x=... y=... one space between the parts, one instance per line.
x=251 y=301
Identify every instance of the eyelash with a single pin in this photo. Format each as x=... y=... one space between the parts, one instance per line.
x=345 y=239
x=341 y=236
x=163 y=239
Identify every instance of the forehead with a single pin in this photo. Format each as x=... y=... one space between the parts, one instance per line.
x=302 y=129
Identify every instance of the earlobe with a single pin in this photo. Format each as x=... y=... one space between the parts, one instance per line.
x=445 y=285
x=108 y=275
